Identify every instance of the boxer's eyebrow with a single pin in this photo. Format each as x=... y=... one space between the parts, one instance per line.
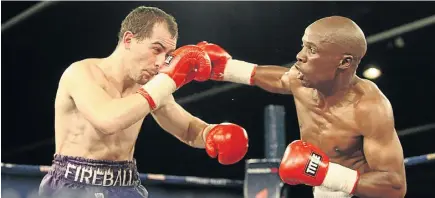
x=158 y=43
x=312 y=44
x=164 y=48
x=309 y=43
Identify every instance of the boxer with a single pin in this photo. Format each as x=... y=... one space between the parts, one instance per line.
x=101 y=103
x=349 y=144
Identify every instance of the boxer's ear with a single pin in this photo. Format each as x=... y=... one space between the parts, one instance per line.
x=127 y=39
x=346 y=62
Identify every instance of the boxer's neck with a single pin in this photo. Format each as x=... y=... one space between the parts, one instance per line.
x=116 y=73
x=337 y=89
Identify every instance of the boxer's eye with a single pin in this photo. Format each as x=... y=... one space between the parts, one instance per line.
x=157 y=50
x=311 y=50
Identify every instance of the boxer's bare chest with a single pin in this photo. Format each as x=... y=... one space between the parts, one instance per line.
x=132 y=131
x=333 y=129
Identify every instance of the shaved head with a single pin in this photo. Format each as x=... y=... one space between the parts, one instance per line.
x=342 y=32
x=332 y=49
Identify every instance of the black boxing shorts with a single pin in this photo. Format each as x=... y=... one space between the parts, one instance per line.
x=76 y=177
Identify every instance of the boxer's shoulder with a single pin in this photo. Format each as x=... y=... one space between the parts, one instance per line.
x=292 y=73
x=374 y=106
x=86 y=70
x=86 y=67
x=371 y=95
x=291 y=80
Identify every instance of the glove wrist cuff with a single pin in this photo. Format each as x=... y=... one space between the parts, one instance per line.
x=239 y=72
x=341 y=178
x=157 y=89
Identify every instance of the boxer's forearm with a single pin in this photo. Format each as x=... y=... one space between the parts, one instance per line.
x=195 y=133
x=119 y=114
x=193 y=136
x=380 y=184
x=269 y=78
x=181 y=124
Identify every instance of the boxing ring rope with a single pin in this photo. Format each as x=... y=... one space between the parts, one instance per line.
x=40 y=170
x=417 y=129
x=26 y=14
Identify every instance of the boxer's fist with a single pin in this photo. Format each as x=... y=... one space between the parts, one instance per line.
x=307 y=164
x=218 y=57
x=182 y=66
x=224 y=68
x=228 y=142
x=187 y=63
x=303 y=163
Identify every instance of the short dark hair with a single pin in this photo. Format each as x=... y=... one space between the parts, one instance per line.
x=141 y=21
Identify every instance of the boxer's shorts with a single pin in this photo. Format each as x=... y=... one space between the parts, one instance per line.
x=75 y=177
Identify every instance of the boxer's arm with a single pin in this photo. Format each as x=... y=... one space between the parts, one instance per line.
x=275 y=79
x=383 y=152
x=175 y=120
x=107 y=114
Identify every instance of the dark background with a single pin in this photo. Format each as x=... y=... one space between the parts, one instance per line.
x=36 y=51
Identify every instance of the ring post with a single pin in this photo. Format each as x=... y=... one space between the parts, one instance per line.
x=261 y=176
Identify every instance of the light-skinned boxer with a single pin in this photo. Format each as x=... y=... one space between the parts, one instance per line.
x=101 y=103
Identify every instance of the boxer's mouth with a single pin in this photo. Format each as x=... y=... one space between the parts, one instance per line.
x=300 y=75
x=297 y=66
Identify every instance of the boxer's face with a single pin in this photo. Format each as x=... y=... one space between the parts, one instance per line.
x=317 y=61
x=144 y=57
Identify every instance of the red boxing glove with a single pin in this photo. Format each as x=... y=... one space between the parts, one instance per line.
x=182 y=66
x=187 y=63
x=224 y=68
x=227 y=141
x=219 y=58
x=307 y=164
